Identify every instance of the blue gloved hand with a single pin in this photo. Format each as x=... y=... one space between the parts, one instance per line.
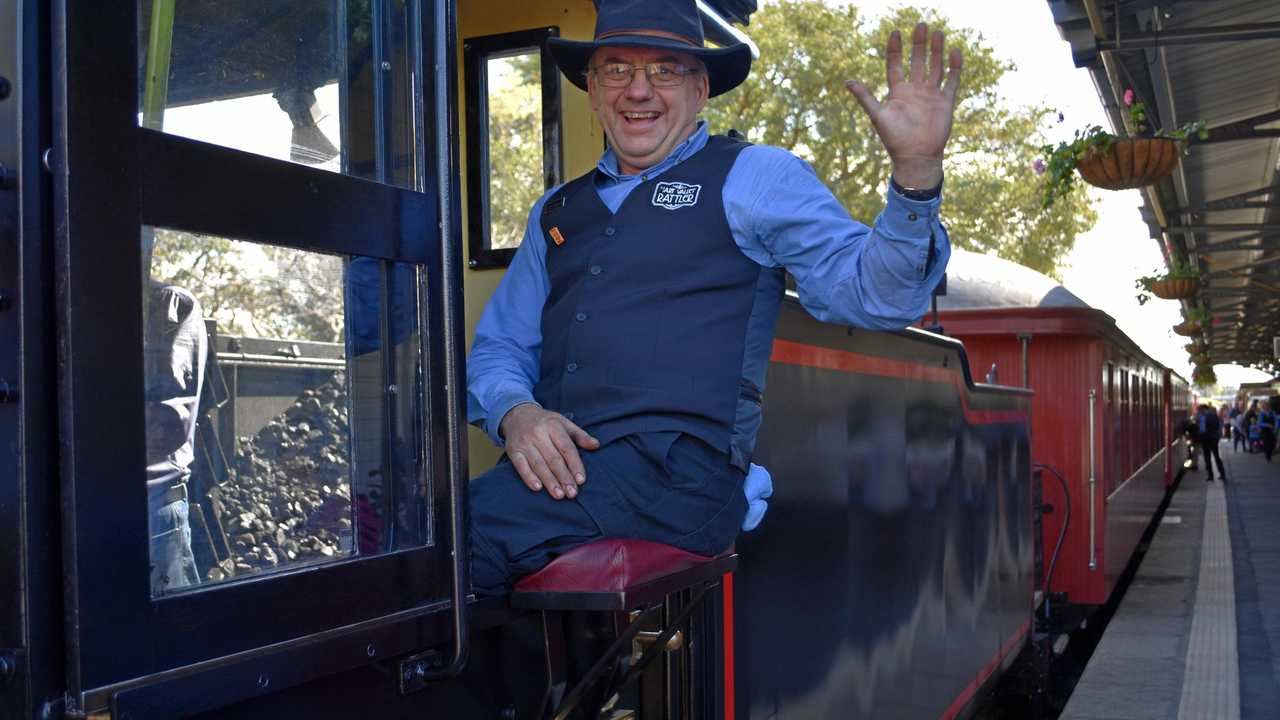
x=758 y=486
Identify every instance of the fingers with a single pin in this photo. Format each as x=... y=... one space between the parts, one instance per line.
x=561 y=478
x=956 y=61
x=919 y=41
x=864 y=97
x=581 y=437
x=893 y=60
x=936 y=44
x=543 y=448
x=524 y=470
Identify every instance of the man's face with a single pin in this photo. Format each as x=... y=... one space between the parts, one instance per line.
x=645 y=123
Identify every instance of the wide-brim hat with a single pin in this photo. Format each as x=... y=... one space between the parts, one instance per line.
x=658 y=24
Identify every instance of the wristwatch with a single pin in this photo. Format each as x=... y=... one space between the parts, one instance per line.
x=919 y=194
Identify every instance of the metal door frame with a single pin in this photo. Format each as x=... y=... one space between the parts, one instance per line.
x=111 y=177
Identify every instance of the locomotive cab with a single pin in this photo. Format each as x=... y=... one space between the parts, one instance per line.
x=250 y=246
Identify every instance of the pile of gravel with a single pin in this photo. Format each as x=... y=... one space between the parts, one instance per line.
x=288 y=501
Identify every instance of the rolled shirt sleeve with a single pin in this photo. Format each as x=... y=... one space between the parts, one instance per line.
x=880 y=277
x=503 y=366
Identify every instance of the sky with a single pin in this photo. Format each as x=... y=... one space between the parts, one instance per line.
x=1106 y=260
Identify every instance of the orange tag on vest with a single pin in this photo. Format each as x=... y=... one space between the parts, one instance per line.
x=556 y=236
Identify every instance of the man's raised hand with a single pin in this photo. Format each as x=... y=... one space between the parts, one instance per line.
x=543 y=447
x=914 y=121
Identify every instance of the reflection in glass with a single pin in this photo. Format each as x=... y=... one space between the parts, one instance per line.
x=284 y=460
x=292 y=80
x=515 y=144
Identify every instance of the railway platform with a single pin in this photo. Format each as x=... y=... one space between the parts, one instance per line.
x=1197 y=633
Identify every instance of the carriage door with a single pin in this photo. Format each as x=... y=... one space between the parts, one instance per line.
x=259 y=373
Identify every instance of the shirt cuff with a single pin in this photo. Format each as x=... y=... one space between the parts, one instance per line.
x=504 y=405
x=906 y=219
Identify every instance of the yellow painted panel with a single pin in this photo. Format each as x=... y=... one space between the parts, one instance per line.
x=581 y=134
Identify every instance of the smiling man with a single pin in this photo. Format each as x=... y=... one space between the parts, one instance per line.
x=622 y=359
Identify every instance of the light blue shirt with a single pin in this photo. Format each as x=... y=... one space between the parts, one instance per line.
x=780 y=214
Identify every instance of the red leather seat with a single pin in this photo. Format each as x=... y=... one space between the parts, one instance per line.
x=610 y=565
x=612 y=573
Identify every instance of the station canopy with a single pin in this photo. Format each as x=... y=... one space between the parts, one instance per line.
x=1217 y=61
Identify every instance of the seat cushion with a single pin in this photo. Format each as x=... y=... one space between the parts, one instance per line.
x=610 y=565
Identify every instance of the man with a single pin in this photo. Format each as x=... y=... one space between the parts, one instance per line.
x=1210 y=431
x=622 y=359
x=175 y=349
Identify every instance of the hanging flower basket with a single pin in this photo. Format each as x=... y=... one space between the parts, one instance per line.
x=1196 y=347
x=1176 y=288
x=1187 y=329
x=1129 y=163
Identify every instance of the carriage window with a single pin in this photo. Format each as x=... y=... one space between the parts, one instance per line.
x=513 y=138
x=294 y=80
x=272 y=442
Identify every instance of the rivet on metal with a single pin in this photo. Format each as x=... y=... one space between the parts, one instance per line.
x=371 y=650
x=263 y=681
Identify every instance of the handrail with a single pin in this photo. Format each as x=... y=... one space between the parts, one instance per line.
x=442 y=57
x=1093 y=480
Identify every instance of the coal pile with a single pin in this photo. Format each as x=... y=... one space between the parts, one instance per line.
x=288 y=501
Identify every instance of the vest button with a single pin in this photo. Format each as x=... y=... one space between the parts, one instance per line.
x=568 y=416
x=580 y=317
x=596 y=269
x=571 y=367
x=610 y=230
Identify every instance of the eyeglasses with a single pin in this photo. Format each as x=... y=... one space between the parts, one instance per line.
x=659 y=74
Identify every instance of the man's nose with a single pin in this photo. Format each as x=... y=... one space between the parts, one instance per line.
x=639 y=87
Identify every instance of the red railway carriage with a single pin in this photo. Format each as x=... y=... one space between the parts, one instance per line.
x=1105 y=415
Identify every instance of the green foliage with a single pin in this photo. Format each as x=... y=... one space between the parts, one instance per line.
x=1201 y=316
x=1204 y=377
x=795 y=98
x=1061 y=160
x=254 y=290
x=515 y=146
x=1178 y=270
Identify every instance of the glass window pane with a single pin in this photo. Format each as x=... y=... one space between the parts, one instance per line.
x=515 y=144
x=292 y=80
x=273 y=441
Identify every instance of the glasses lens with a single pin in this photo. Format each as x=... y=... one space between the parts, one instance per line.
x=615 y=74
x=666 y=74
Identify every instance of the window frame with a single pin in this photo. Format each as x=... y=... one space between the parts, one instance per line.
x=120 y=642
x=476 y=53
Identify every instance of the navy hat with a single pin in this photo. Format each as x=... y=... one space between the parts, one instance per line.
x=659 y=24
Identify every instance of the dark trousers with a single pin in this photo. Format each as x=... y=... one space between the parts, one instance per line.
x=1210 y=447
x=667 y=487
x=1239 y=438
x=1268 y=442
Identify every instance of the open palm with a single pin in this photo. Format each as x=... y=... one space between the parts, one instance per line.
x=914 y=121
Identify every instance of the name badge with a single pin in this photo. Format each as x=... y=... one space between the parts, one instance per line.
x=675 y=195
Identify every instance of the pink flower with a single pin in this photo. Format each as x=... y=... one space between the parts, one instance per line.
x=1128 y=97
x=1038 y=165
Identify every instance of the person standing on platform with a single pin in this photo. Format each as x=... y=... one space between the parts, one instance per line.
x=1238 y=434
x=1267 y=428
x=1250 y=425
x=1210 y=428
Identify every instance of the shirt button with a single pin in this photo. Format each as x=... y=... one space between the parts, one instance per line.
x=571 y=367
x=580 y=317
x=596 y=269
x=912 y=217
x=610 y=230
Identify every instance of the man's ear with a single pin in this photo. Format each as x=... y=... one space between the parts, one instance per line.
x=704 y=90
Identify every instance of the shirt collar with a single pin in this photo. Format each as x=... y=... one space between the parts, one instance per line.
x=608 y=164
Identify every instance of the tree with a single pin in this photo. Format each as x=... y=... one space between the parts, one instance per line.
x=254 y=290
x=515 y=146
x=795 y=98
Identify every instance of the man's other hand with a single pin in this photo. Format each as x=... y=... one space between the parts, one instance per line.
x=914 y=120
x=543 y=446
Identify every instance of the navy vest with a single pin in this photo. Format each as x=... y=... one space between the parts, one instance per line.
x=646 y=322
